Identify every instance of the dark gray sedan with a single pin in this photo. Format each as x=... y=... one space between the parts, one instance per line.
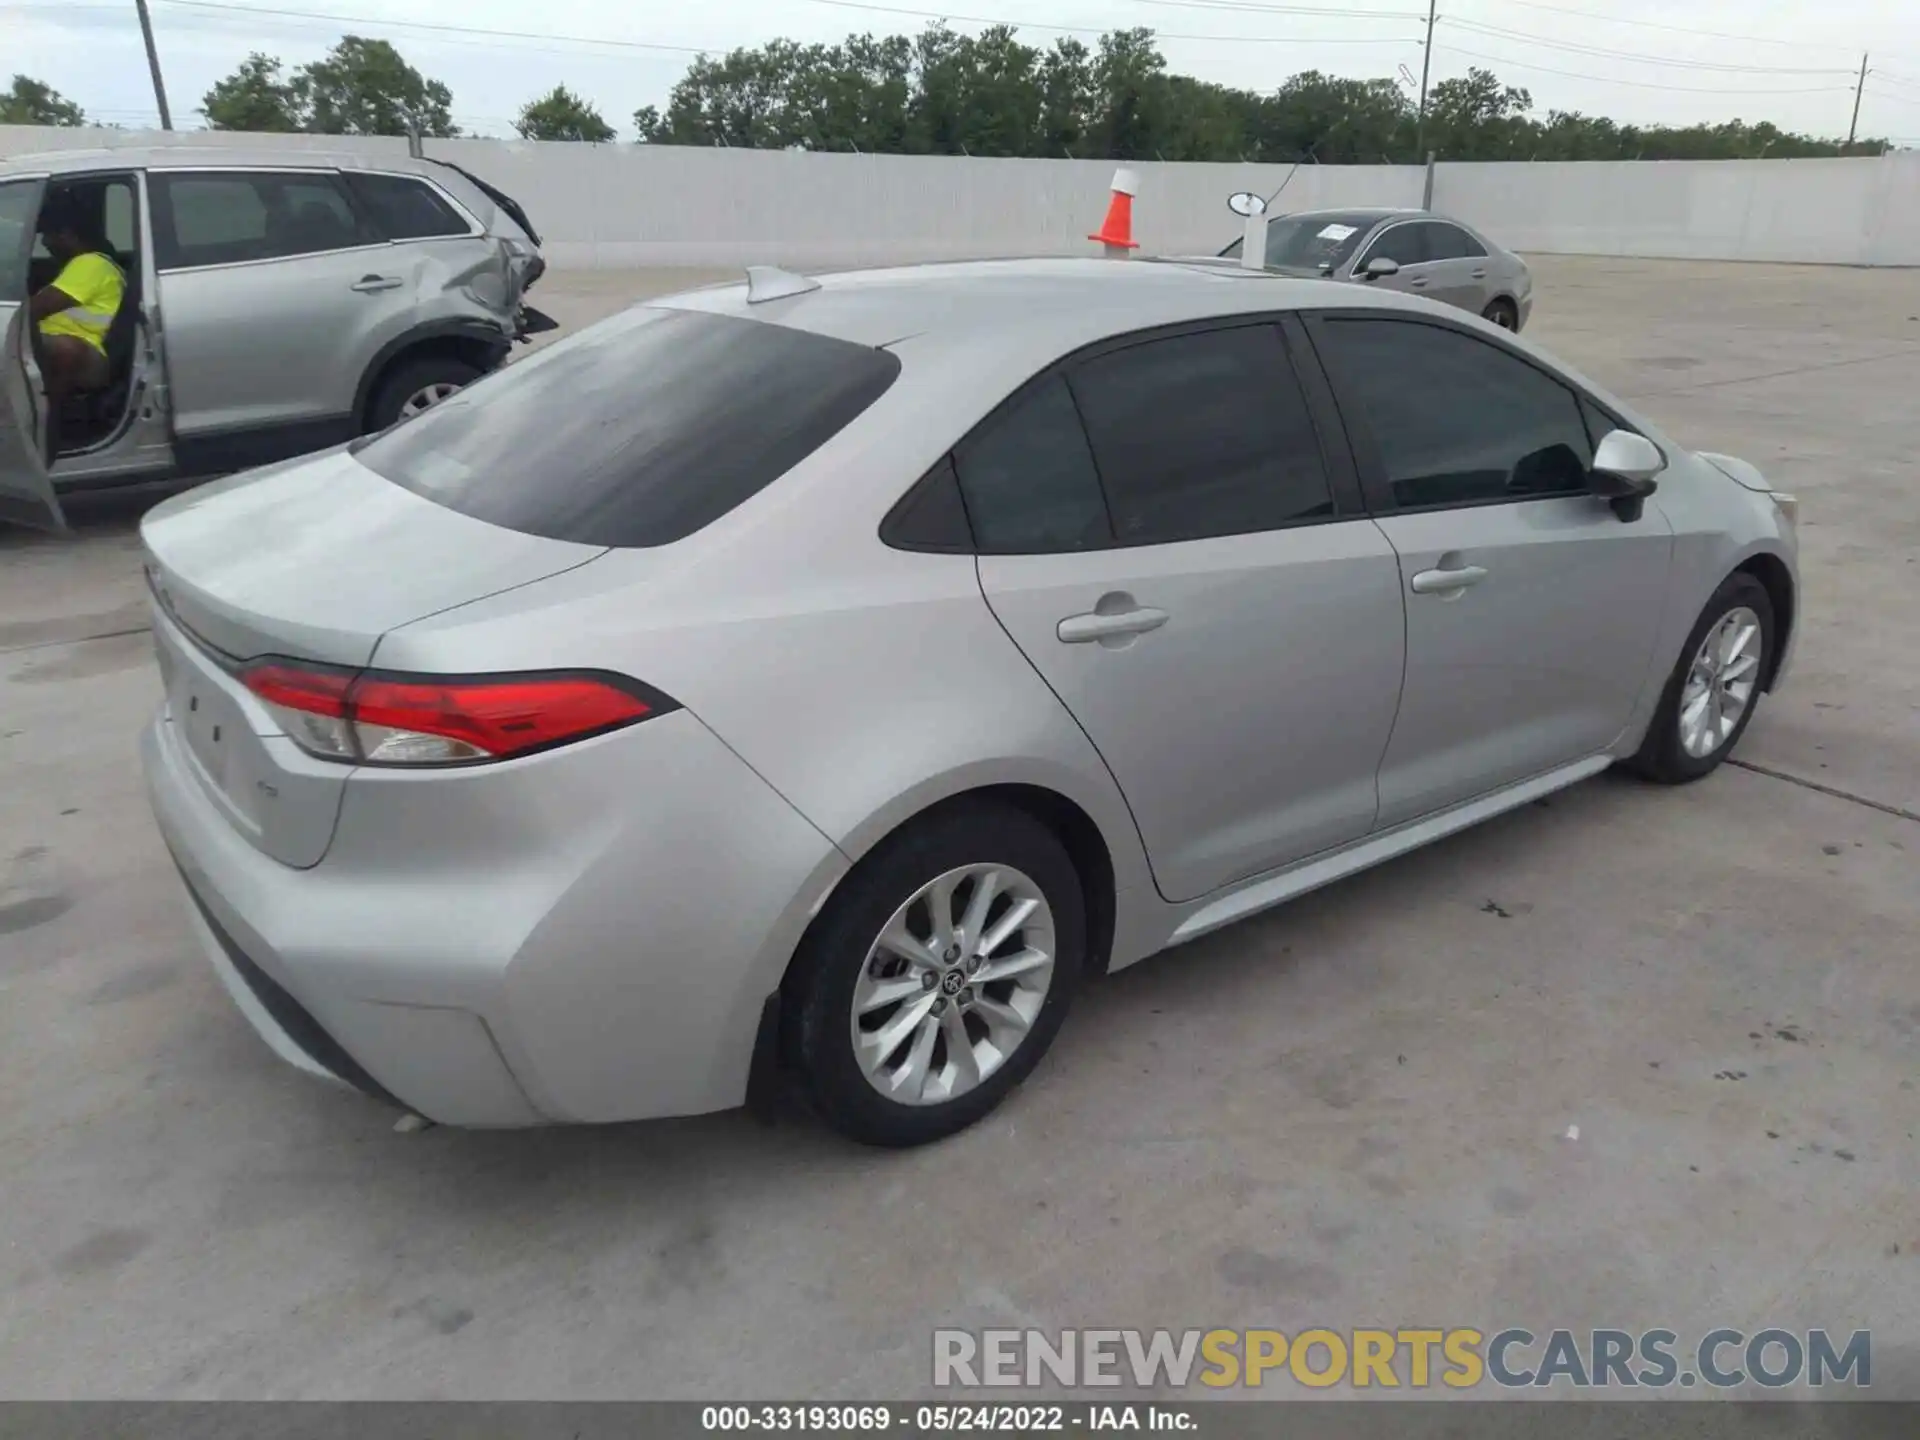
x=1412 y=250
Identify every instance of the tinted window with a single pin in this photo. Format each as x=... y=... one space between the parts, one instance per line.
x=931 y=516
x=1405 y=244
x=1456 y=420
x=1450 y=242
x=636 y=432
x=1202 y=434
x=1029 y=480
x=19 y=205
x=219 y=219
x=405 y=209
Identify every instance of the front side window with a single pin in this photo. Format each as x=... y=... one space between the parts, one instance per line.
x=1403 y=244
x=19 y=207
x=1203 y=434
x=227 y=217
x=1455 y=420
x=636 y=432
x=405 y=209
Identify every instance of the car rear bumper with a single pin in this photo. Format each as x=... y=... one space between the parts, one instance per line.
x=582 y=936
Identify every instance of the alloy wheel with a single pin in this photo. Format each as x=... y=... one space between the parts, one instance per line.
x=953 y=984
x=1720 y=682
x=426 y=397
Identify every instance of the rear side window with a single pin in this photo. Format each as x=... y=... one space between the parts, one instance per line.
x=1029 y=480
x=1201 y=435
x=1450 y=242
x=637 y=432
x=228 y=217
x=405 y=209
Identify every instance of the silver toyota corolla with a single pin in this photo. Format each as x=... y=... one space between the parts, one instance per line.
x=1412 y=250
x=824 y=678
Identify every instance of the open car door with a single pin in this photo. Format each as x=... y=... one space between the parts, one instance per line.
x=26 y=486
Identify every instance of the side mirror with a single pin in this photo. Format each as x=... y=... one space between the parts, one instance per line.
x=1623 y=472
x=1381 y=266
x=1246 y=204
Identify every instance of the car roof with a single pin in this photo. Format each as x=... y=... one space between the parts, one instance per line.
x=1035 y=309
x=173 y=157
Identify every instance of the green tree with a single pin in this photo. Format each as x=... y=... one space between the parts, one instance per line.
x=1066 y=99
x=1475 y=117
x=364 y=87
x=34 y=102
x=254 y=97
x=562 y=115
x=1129 y=96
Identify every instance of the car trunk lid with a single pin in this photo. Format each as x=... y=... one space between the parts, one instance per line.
x=314 y=560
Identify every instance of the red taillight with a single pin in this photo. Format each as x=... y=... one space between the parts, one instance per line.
x=434 y=720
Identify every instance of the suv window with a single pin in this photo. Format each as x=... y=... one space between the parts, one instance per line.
x=1405 y=244
x=19 y=206
x=1450 y=242
x=1029 y=480
x=1202 y=434
x=1455 y=419
x=636 y=432
x=223 y=218
x=405 y=209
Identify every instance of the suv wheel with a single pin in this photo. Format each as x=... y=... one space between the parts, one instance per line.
x=415 y=386
x=938 y=976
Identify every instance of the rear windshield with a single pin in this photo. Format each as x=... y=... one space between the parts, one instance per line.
x=637 y=432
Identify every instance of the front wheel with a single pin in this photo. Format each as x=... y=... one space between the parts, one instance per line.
x=1711 y=695
x=938 y=976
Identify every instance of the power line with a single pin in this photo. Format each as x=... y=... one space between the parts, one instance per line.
x=1264 y=9
x=1676 y=29
x=1604 y=52
x=338 y=19
x=1096 y=30
x=1637 y=84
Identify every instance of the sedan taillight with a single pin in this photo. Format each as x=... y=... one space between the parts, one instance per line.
x=385 y=719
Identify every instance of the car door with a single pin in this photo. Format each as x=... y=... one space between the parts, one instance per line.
x=1457 y=268
x=26 y=489
x=1531 y=606
x=275 y=291
x=1179 y=551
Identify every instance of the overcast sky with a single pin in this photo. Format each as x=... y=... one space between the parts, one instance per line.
x=1679 y=61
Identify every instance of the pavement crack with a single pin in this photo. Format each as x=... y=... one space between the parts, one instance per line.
x=1899 y=354
x=72 y=640
x=1897 y=811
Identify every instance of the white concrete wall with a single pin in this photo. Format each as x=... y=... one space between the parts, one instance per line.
x=622 y=205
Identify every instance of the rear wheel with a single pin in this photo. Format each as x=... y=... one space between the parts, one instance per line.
x=1711 y=695
x=938 y=976
x=1502 y=312
x=415 y=386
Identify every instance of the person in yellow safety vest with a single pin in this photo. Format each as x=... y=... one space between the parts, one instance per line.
x=73 y=312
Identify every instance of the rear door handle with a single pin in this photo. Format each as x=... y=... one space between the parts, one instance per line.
x=367 y=284
x=1080 y=629
x=1418 y=283
x=1447 y=582
x=1480 y=274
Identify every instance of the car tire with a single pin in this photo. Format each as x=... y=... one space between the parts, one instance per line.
x=1502 y=312
x=894 y=1073
x=408 y=382
x=1683 y=741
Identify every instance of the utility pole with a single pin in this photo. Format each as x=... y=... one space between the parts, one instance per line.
x=153 y=64
x=1860 y=86
x=1426 y=67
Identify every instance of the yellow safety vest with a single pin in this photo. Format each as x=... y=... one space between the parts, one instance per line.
x=96 y=287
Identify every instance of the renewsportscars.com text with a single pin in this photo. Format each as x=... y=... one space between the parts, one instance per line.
x=1414 y=1359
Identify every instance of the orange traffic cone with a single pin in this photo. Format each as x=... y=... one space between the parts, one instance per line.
x=1117 y=234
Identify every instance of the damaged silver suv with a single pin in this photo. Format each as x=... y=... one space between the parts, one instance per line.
x=274 y=304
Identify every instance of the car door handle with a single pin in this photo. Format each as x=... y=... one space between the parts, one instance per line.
x=1079 y=629
x=1447 y=582
x=1480 y=274
x=367 y=284
x=1419 y=282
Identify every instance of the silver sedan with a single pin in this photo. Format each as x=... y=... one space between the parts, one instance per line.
x=824 y=679
x=1412 y=250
